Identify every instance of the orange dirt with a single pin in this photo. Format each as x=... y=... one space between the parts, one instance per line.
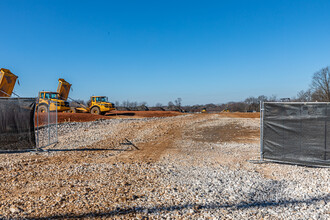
x=83 y=117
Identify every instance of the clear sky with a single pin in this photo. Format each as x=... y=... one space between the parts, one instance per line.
x=157 y=51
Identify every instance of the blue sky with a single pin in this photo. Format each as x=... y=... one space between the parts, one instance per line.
x=157 y=51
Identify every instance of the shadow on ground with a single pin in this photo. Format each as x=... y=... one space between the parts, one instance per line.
x=196 y=207
x=62 y=150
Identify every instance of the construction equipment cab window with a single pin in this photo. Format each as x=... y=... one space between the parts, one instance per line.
x=101 y=99
x=50 y=95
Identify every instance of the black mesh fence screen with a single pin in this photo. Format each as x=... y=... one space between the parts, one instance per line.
x=297 y=133
x=17 y=123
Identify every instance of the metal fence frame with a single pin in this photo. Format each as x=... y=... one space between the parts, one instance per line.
x=262 y=112
x=261 y=131
x=48 y=125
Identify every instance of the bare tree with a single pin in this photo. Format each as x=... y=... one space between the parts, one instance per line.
x=272 y=98
x=143 y=104
x=125 y=104
x=262 y=98
x=158 y=104
x=251 y=100
x=252 y=104
x=133 y=104
x=321 y=85
x=304 y=96
x=178 y=102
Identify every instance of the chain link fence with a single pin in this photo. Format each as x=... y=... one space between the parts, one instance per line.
x=46 y=126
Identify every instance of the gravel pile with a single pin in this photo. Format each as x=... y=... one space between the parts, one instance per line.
x=188 y=178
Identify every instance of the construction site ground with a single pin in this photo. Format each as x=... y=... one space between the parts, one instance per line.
x=83 y=117
x=149 y=165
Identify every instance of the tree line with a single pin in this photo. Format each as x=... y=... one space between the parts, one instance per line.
x=318 y=91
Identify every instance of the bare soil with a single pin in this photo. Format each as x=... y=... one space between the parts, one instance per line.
x=84 y=117
x=115 y=176
x=227 y=133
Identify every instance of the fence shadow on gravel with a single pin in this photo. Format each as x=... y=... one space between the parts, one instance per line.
x=63 y=150
x=15 y=152
x=197 y=207
x=88 y=149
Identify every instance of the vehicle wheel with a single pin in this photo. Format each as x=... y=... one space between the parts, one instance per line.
x=95 y=111
x=73 y=110
x=42 y=109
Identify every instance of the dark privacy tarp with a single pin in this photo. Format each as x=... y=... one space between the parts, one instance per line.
x=297 y=133
x=17 y=123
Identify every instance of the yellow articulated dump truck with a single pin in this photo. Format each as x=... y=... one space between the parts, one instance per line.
x=97 y=105
x=7 y=82
x=55 y=100
x=100 y=105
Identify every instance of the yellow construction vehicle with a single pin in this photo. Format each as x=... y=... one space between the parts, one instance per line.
x=204 y=110
x=7 y=82
x=98 y=104
x=55 y=100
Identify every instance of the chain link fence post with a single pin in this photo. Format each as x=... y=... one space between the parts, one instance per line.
x=261 y=131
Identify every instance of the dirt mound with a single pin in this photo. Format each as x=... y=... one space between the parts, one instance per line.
x=78 y=117
x=84 y=117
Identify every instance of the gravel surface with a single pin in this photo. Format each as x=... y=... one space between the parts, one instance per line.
x=191 y=166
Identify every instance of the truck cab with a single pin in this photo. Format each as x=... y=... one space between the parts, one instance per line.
x=100 y=105
x=52 y=100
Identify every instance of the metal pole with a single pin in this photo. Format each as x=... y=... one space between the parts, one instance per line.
x=56 y=124
x=48 y=121
x=325 y=134
x=261 y=131
x=37 y=105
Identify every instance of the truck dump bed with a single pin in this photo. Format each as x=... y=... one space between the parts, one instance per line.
x=7 y=82
x=63 y=89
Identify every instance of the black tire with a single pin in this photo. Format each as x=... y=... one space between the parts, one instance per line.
x=95 y=110
x=73 y=110
x=42 y=109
